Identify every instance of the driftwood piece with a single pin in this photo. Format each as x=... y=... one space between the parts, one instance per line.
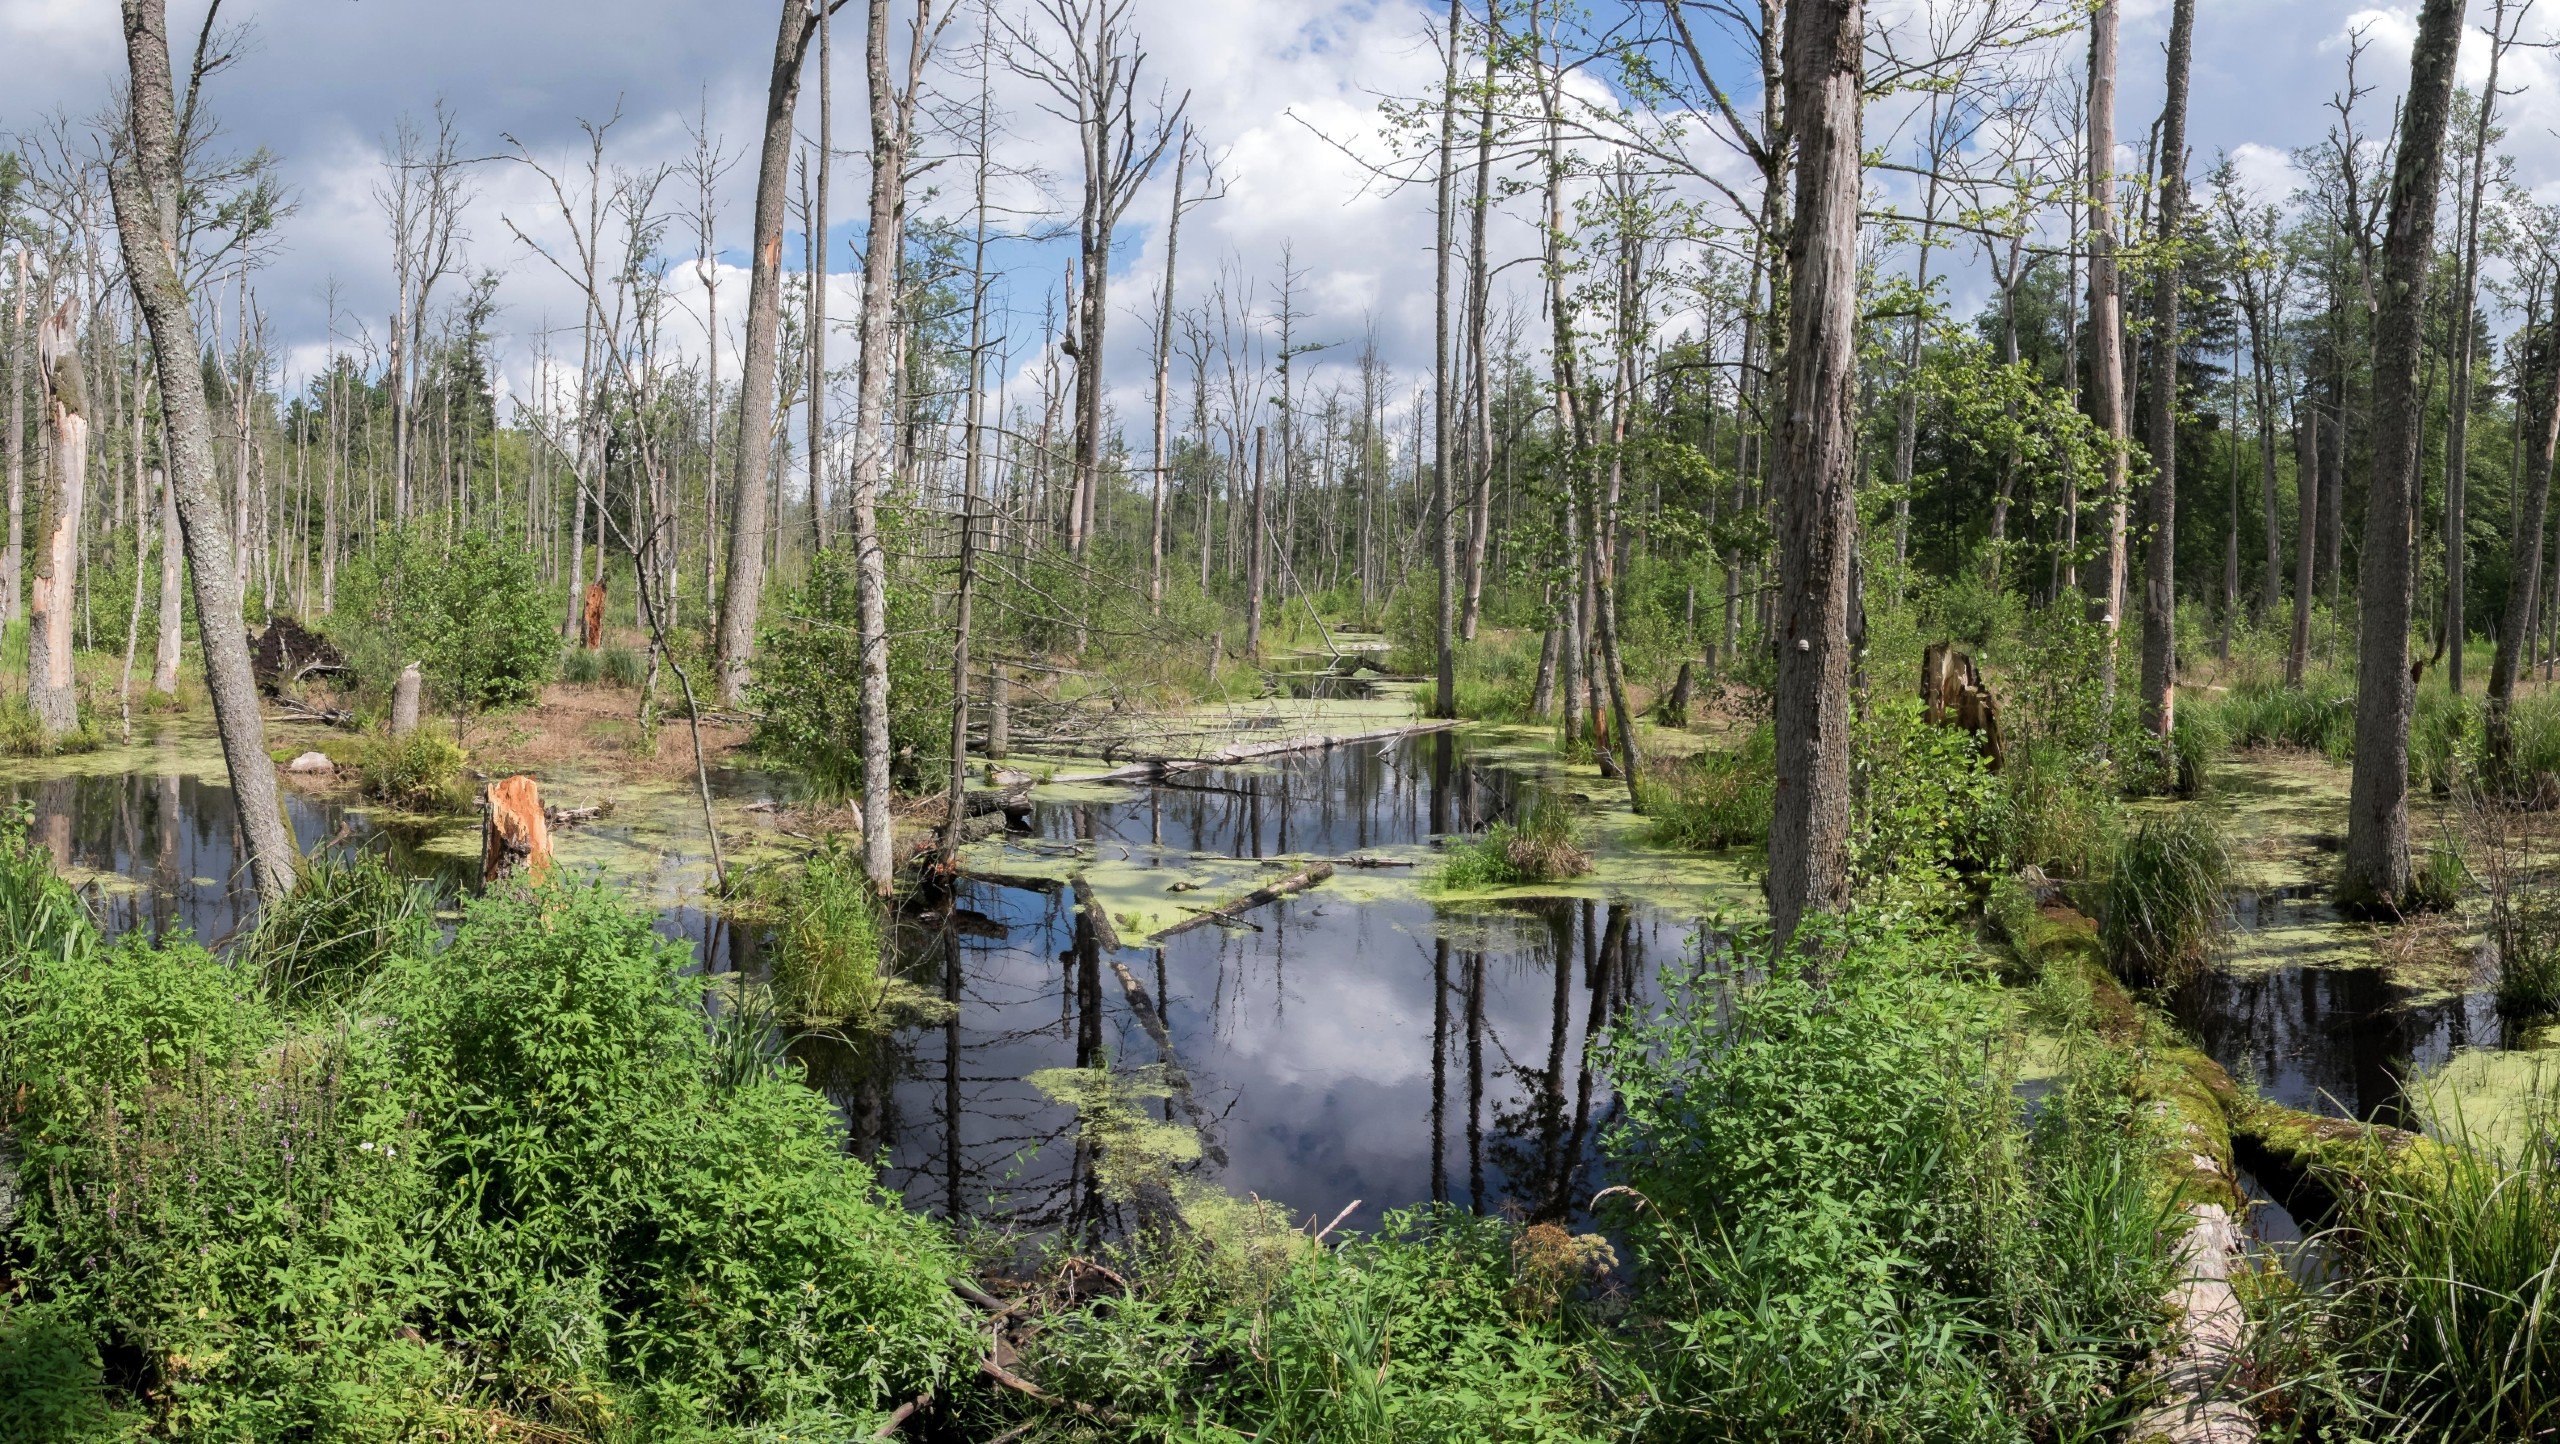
x=513 y=830
x=1296 y=882
x=593 y=616
x=1953 y=694
x=407 y=695
x=1025 y=882
x=2198 y=1375
x=559 y=817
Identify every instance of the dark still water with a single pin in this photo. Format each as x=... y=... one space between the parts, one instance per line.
x=1355 y=1042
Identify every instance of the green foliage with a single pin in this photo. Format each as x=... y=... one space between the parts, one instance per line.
x=2524 y=926
x=830 y=955
x=2318 y=717
x=21 y=735
x=1543 y=845
x=621 y=667
x=1929 y=808
x=1842 y=1231
x=1442 y=1327
x=581 y=666
x=1714 y=799
x=808 y=679
x=526 y=1175
x=619 y=1218
x=2436 y=884
x=419 y=772
x=2062 y=819
x=2166 y=900
x=2445 y=1330
x=51 y=1384
x=323 y=941
x=474 y=613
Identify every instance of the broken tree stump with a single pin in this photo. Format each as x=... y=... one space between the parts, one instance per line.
x=1953 y=694
x=406 y=695
x=594 y=615
x=1296 y=882
x=513 y=830
x=1674 y=707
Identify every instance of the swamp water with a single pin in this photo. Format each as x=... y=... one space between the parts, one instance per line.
x=1359 y=1041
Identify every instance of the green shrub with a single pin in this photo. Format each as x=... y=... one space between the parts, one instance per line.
x=474 y=612
x=2064 y=820
x=614 y=1219
x=580 y=666
x=621 y=666
x=2317 y=717
x=1842 y=1231
x=2444 y=741
x=2524 y=926
x=52 y=1385
x=808 y=680
x=2166 y=900
x=1713 y=799
x=1928 y=811
x=419 y=772
x=830 y=955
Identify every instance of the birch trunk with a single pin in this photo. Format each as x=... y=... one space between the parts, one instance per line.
x=2106 y=329
x=52 y=693
x=2160 y=574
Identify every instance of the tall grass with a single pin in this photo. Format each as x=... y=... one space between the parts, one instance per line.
x=1543 y=845
x=1714 y=799
x=2318 y=717
x=2164 y=903
x=325 y=939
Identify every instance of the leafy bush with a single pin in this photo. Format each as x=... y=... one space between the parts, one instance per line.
x=617 y=1219
x=2166 y=901
x=1713 y=799
x=1929 y=808
x=808 y=679
x=474 y=612
x=419 y=772
x=51 y=1385
x=1843 y=1233
x=830 y=954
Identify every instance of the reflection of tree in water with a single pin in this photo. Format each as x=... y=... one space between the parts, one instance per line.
x=1544 y=1128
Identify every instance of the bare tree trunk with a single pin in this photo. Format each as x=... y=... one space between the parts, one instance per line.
x=171 y=637
x=12 y=565
x=2457 y=445
x=1815 y=476
x=2306 y=487
x=2160 y=574
x=2524 y=589
x=2376 y=876
x=145 y=187
x=1164 y=383
x=817 y=248
x=1479 y=283
x=1257 y=564
x=1444 y=691
x=51 y=692
x=748 y=522
x=892 y=131
x=2106 y=327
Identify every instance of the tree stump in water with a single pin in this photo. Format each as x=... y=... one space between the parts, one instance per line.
x=594 y=618
x=406 y=694
x=1952 y=694
x=513 y=830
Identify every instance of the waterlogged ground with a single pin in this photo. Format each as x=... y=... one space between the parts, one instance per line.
x=2390 y=1024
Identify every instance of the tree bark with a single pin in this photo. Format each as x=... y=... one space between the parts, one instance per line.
x=2160 y=574
x=2515 y=633
x=748 y=521
x=145 y=187
x=12 y=565
x=171 y=639
x=2106 y=329
x=2457 y=443
x=1816 y=455
x=1164 y=383
x=2376 y=876
x=1444 y=691
x=51 y=690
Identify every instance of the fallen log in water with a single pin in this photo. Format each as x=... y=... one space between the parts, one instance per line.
x=1104 y=932
x=1161 y=767
x=1296 y=882
x=559 y=817
x=1175 y=1077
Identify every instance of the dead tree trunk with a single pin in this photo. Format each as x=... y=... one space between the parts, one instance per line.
x=2106 y=326
x=51 y=692
x=2160 y=572
x=514 y=833
x=2376 y=876
x=748 y=521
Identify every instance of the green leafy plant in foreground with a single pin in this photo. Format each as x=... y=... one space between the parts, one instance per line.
x=2165 y=903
